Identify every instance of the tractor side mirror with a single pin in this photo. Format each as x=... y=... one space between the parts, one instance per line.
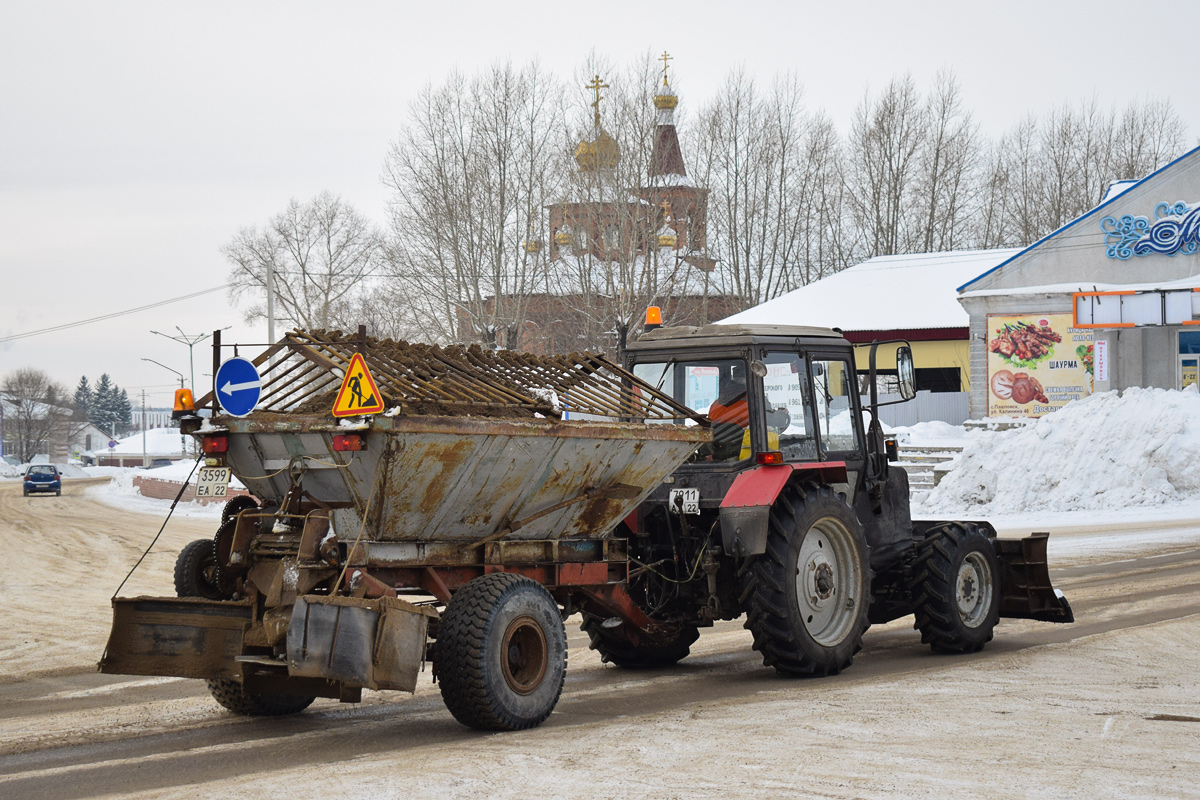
x=905 y=373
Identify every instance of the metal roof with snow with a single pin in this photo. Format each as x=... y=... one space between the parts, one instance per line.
x=905 y=292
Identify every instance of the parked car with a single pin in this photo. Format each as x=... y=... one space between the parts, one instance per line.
x=43 y=478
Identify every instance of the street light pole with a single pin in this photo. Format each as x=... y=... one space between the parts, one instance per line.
x=191 y=342
x=182 y=438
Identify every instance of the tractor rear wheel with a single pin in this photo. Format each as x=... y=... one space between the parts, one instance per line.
x=808 y=595
x=196 y=571
x=616 y=646
x=501 y=653
x=956 y=586
x=232 y=695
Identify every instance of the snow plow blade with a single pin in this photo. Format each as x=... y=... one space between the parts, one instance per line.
x=1026 y=590
x=180 y=637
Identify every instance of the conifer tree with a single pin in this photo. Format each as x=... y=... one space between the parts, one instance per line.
x=84 y=397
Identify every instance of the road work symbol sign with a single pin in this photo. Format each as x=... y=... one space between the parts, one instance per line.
x=238 y=386
x=359 y=394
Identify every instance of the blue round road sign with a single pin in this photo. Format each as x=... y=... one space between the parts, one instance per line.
x=238 y=386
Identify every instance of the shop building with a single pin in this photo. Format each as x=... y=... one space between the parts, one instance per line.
x=909 y=297
x=1108 y=301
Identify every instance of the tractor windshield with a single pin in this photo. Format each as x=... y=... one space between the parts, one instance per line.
x=716 y=387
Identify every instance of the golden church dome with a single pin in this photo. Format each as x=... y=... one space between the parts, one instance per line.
x=600 y=152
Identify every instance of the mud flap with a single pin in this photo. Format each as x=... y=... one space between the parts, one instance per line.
x=180 y=637
x=1026 y=591
x=375 y=644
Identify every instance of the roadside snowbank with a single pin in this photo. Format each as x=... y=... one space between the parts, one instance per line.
x=1107 y=451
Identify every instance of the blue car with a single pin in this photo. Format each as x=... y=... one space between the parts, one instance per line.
x=43 y=478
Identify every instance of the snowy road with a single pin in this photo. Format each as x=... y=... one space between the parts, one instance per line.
x=1107 y=707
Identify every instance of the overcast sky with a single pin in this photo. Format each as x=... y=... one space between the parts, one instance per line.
x=136 y=138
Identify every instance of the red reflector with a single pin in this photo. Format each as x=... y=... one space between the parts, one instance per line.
x=770 y=457
x=348 y=441
x=215 y=444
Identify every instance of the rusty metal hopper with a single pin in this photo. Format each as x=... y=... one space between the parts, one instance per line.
x=473 y=447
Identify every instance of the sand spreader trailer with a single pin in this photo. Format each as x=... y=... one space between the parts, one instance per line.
x=724 y=471
x=473 y=494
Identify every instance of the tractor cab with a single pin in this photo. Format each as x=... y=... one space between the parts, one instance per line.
x=774 y=395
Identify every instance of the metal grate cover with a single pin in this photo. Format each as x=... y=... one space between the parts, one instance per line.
x=303 y=371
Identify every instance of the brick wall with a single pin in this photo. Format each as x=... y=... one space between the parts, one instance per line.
x=166 y=490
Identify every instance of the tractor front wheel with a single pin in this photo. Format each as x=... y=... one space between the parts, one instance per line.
x=808 y=595
x=501 y=653
x=956 y=586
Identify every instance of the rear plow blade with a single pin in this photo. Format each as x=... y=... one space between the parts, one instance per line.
x=1026 y=590
x=180 y=637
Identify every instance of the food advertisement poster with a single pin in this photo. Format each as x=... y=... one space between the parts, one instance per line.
x=1037 y=363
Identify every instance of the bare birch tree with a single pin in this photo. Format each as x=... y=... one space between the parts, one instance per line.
x=471 y=174
x=319 y=254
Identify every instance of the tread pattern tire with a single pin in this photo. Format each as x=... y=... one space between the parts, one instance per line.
x=196 y=571
x=467 y=653
x=935 y=588
x=230 y=694
x=615 y=647
x=770 y=591
x=236 y=505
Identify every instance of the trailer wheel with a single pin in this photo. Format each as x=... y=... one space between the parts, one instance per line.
x=808 y=595
x=196 y=571
x=232 y=695
x=615 y=646
x=235 y=506
x=956 y=586
x=501 y=653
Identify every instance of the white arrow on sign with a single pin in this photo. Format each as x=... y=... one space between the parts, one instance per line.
x=230 y=388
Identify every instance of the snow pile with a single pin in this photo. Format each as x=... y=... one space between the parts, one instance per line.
x=1107 y=451
x=9 y=471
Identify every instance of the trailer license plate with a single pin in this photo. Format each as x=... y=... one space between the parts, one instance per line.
x=213 y=482
x=685 y=501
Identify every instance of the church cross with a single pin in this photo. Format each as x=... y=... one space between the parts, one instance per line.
x=596 y=86
x=665 y=58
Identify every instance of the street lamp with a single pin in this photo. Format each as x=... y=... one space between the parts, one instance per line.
x=164 y=366
x=182 y=438
x=190 y=341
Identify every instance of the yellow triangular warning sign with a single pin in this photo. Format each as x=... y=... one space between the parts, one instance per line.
x=359 y=395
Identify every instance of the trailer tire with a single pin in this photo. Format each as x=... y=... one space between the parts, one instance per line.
x=808 y=596
x=956 y=588
x=501 y=653
x=235 y=506
x=196 y=571
x=232 y=695
x=615 y=646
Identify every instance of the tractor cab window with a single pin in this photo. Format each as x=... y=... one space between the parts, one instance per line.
x=833 y=383
x=788 y=428
x=716 y=387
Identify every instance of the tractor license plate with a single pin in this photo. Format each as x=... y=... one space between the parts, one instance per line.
x=213 y=482
x=685 y=501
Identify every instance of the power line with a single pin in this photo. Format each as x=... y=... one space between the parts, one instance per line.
x=113 y=315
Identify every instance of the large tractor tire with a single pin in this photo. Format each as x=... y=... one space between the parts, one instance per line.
x=808 y=595
x=956 y=586
x=232 y=695
x=196 y=571
x=615 y=646
x=501 y=653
